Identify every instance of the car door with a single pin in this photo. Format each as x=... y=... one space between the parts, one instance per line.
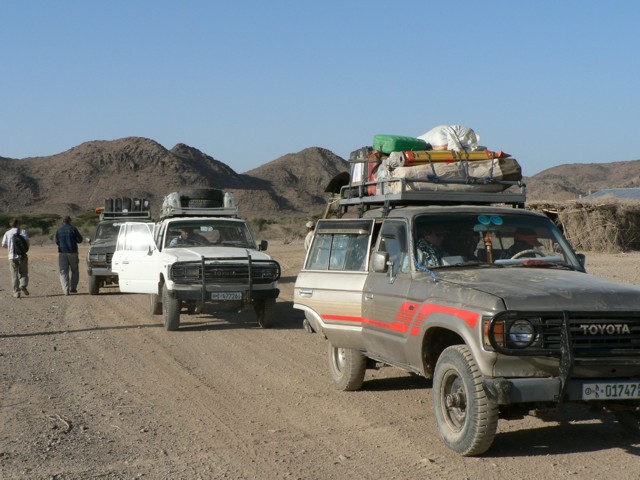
x=386 y=310
x=135 y=259
x=329 y=286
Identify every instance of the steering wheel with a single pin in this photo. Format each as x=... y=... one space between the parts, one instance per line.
x=536 y=253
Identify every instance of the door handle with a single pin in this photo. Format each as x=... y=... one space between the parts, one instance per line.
x=305 y=292
x=125 y=262
x=368 y=296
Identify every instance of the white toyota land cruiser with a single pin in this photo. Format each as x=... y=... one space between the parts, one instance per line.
x=198 y=256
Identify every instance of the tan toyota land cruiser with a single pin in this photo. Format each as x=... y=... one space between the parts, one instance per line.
x=469 y=289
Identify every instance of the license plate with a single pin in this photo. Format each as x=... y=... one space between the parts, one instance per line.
x=611 y=391
x=226 y=296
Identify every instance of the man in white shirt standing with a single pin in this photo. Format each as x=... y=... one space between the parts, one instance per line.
x=18 y=261
x=309 y=237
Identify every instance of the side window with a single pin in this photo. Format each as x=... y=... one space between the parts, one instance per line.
x=138 y=237
x=339 y=251
x=393 y=240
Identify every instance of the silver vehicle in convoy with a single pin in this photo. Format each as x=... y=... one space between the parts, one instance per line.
x=484 y=297
x=198 y=256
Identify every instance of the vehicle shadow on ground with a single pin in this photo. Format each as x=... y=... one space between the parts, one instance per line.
x=286 y=319
x=567 y=435
x=80 y=330
x=411 y=382
x=287 y=279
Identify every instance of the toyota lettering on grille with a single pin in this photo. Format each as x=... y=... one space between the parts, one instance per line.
x=605 y=329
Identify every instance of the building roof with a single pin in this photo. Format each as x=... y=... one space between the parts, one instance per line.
x=620 y=193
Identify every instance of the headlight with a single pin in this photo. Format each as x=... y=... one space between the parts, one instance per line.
x=521 y=334
x=185 y=272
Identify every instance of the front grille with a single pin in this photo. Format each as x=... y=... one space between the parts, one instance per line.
x=226 y=273
x=588 y=334
x=595 y=335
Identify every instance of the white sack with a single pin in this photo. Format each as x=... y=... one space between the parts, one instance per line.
x=451 y=137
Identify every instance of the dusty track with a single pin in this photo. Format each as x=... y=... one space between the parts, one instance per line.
x=93 y=387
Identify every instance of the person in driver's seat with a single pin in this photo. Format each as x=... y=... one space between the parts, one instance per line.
x=523 y=239
x=429 y=248
x=187 y=237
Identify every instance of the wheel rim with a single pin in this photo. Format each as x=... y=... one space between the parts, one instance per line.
x=454 y=401
x=339 y=359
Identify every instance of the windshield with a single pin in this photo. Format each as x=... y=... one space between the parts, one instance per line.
x=107 y=231
x=203 y=233
x=499 y=239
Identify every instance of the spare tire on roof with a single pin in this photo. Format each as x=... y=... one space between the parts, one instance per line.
x=202 y=198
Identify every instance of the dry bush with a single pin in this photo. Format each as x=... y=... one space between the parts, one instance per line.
x=606 y=225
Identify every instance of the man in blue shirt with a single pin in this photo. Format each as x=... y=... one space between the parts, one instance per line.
x=67 y=238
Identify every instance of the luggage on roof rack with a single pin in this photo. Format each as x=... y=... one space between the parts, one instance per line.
x=432 y=177
x=199 y=202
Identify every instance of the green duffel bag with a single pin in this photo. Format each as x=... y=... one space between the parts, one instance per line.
x=398 y=143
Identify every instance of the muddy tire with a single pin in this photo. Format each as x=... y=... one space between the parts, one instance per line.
x=265 y=312
x=466 y=419
x=170 y=311
x=155 y=305
x=347 y=367
x=94 y=285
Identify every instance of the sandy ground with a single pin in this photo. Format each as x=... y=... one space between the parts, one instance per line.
x=93 y=387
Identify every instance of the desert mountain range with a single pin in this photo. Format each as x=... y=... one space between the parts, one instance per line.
x=292 y=185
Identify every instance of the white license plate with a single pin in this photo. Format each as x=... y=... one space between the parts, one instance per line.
x=226 y=296
x=611 y=391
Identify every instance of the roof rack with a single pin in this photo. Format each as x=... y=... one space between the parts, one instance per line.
x=394 y=192
x=171 y=211
x=130 y=208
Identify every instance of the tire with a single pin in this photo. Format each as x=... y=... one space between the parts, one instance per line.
x=200 y=203
x=202 y=198
x=94 y=285
x=347 y=367
x=266 y=312
x=170 y=311
x=466 y=419
x=155 y=305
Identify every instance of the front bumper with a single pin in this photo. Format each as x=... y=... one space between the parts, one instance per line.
x=100 y=271
x=197 y=295
x=502 y=391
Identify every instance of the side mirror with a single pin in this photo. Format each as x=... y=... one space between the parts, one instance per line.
x=379 y=261
x=263 y=245
x=582 y=258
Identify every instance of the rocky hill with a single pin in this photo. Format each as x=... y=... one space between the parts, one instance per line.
x=82 y=177
x=293 y=185
x=571 y=181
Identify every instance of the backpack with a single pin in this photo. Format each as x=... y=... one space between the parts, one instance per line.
x=20 y=245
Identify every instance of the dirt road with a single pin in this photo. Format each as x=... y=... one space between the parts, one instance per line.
x=93 y=387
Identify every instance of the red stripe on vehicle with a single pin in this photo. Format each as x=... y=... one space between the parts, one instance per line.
x=471 y=318
x=402 y=322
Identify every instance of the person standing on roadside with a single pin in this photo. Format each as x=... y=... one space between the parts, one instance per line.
x=67 y=238
x=309 y=237
x=18 y=261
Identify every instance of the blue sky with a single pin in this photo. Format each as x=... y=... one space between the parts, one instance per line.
x=247 y=81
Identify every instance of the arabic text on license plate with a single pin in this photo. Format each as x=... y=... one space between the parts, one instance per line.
x=611 y=391
x=226 y=296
